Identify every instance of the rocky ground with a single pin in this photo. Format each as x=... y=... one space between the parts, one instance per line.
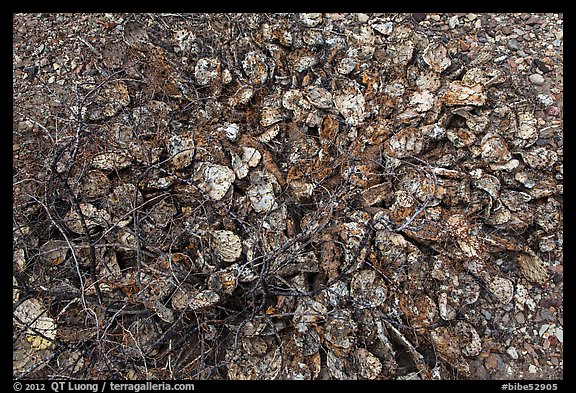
x=288 y=196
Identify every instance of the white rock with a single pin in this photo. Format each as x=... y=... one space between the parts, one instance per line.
x=453 y=21
x=512 y=352
x=362 y=18
x=445 y=310
x=543 y=329
x=545 y=99
x=345 y=66
x=537 y=79
x=226 y=76
x=560 y=334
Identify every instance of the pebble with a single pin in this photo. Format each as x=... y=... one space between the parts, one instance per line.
x=532 y=20
x=530 y=350
x=513 y=44
x=453 y=21
x=507 y=30
x=559 y=34
x=560 y=334
x=362 y=18
x=554 y=361
x=537 y=79
x=419 y=17
x=541 y=65
x=543 y=329
x=512 y=352
x=532 y=369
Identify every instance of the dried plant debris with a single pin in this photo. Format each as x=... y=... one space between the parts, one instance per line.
x=288 y=196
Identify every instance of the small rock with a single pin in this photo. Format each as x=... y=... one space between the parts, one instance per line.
x=513 y=44
x=537 y=79
x=541 y=66
x=453 y=21
x=520 y=318
x=362 y=18
x=518 y=31
x=506 y=30
x=560 y=334
x=545 y=99
x=554 y=361
x=532 y=20
x=532 y=369
x=559 y=34
x=419 y=17
x=543 y=329
x=547 y=315
x=512 y=352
